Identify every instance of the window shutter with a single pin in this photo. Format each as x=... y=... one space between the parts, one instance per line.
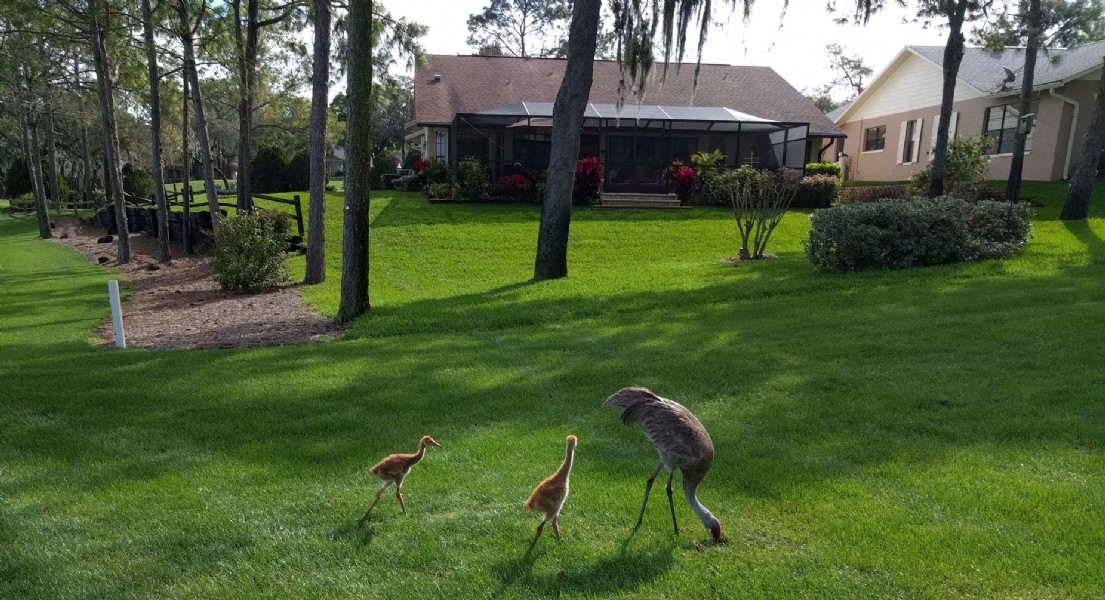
x=932 y=141
x=916 y=147
x=901 y=143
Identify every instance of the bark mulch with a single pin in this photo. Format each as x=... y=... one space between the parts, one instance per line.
x=179 y=305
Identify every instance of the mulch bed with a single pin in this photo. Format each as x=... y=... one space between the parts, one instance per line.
x=179 y=305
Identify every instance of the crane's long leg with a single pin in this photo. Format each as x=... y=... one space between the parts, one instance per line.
x=399 y=495
x=556 y=527
x=538 y=534
x=671 y=503
x=648 y=488
x=364 y=518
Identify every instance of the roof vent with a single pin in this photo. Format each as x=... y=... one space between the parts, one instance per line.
x=437 y=76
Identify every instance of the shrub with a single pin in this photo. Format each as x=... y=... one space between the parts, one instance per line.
x=443 y=191
x=472 y=181
x=298 y=175
x=817 y=191
x=760 y=198
x=893 y=234
x=18 y=179
x=542 y=182
x=682 y=180
x=998 y=229
x=823 y=168
x=249 y=251
x=964 y=168
x=587 y=188
x=873 y=193
x=517 y=188
x=705 y=162
x=269 y=170
x=411 y=157
x=407 y=183
x=715 y=187
x=137 y=181
x=383 y=163
x=436 y=171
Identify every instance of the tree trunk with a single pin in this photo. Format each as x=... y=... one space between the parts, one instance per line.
x=186 y=39
x=247 y=65
x=354 y=250
x=52 y=158
x=1016 y=167
x=571 y=102
x=1077 y=205
x=111 y=132
x=87 y=165
x=186 y=171
x=155 y=137
x=316 y=216
x=953 y=57
x=36 y=182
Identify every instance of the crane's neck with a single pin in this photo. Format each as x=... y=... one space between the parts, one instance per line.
x=709 y=521
x=421 y=452
x=569 y=457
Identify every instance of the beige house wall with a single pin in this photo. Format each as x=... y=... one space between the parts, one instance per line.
x=1043 y=162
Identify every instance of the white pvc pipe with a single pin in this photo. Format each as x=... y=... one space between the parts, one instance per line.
x=116 y=313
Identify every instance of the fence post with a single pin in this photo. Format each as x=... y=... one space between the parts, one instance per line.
x=299 y=215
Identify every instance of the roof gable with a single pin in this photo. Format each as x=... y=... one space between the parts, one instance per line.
x=472 y=84
x=983 y=71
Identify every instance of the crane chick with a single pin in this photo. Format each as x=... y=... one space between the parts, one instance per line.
x=393 y=469
x=680 y=440
x=548 y=497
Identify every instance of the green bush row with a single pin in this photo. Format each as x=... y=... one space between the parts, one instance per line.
x=814 y=191
x=901 y=234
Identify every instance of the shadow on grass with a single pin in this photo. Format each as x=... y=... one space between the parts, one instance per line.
x=627 y=570
x=1081 y=230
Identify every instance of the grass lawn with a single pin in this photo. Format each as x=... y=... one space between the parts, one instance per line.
x=936 y=433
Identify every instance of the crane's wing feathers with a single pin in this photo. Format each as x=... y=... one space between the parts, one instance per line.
x=678 y=435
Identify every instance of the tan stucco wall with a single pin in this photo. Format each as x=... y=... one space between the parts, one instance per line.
x=1043 y=162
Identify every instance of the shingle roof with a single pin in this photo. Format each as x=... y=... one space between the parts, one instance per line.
x=472 y=84
x=983 y=69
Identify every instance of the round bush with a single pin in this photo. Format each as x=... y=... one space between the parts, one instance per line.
x=249 y=251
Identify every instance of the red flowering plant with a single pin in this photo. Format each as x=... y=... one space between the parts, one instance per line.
x=517 y=187
x=588 y=181
x=683 y=181
x=420 y=165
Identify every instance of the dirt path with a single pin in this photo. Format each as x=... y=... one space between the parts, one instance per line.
x=180 y=305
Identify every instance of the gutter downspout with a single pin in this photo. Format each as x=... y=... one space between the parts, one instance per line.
x=1070 y=136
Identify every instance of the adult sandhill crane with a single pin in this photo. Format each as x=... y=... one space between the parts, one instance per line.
x=549 y=495
x=393 y=469
x=681 y=441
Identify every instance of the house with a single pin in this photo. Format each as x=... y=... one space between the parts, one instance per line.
x=891 y=126
x=335 y=162
x=499 y=110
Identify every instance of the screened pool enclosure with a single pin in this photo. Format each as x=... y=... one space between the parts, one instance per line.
x=635 y=143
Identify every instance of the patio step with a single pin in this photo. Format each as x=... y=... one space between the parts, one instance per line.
x=639 y=201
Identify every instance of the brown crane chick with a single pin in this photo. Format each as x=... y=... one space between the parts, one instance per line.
x=548 y=497
x=681 y=442
x=393 y=469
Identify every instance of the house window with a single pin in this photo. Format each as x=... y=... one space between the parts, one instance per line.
x=874 y=139
x=441 y=146
x=1001 y=126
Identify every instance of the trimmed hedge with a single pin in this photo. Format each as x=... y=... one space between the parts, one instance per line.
x=823 y=168
x=873 y=193
x=901 y=234
x=817 y=191
x=249 y=251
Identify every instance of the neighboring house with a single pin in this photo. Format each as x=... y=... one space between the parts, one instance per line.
x=891 y=126
x=499 y=110
x=335 y=162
